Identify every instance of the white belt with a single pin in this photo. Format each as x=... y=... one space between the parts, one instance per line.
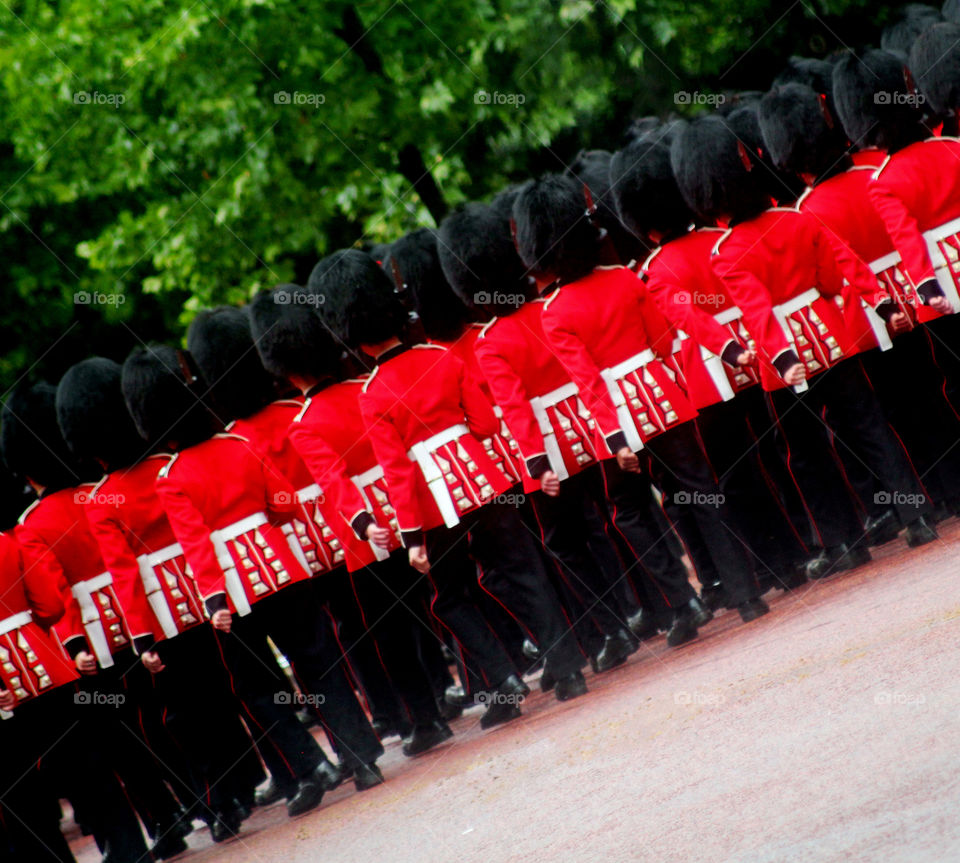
x=611 y=376
x=309 y=493
x=539 y=405
x=784 y=310
x=90 y=615
x=422 y=454
x=728 y=316
x=231 y=577
x=362 y=481
x=885 y=263
x=15 y=621
x=154 y=590
x=940 y=264
x=879 y=328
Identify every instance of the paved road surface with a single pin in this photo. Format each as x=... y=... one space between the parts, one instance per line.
x=827 y=730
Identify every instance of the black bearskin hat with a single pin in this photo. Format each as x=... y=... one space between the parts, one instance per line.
x=800 y=134
x=33 y=447
x=909 y=22
x=718 y=172
x=555 y=237
x=93 y=416
x=414 y=265
x=479 y=259
x=951 y=11
x=291 y=338
x=357 y=299
x=874 y=103
x=645 y=192
x=592 y=169
x=816 y=74
x=220 y=342
x=935 y=62
x=163 y=392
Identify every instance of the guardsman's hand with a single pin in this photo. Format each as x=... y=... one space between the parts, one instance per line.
x=628 y=461
x=152 y=662
x=550 y=483
x=941 y=304
x=418 y=558
x=86 y=662
x=747 y=358
x=7 y=699
x=899 y=322
x=796 y=374
x=222 y=620
x=379 y=536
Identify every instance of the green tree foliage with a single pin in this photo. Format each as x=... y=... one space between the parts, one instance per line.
x=157 y=156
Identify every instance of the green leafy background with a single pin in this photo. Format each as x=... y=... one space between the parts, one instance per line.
x=188 y=179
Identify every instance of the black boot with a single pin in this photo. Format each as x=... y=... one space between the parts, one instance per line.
x=920 y=532
x=616 y=649
x=700 y=613
x=426 y=737
x=643 y=625
x=366 y=776
x=310 y=792
x=274 y=792
x=838 y=558
x=752 y=609
x=681 y=629
x=883 y=528
x=571 y=686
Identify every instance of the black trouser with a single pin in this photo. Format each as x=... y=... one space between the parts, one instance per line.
x=840 y=404
x=387 y=593
x=287 y=748
x=113 y=699
x=662 y=585
x=910 y=387
x=944 y=333
x=511 y=570
x=202 y=715
x=570 y=527
x=762 y=524
x=302 y=629
x=56 y=733
x=362 y=661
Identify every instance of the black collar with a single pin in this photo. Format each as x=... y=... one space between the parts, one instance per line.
x=320 y=386
x=386 y=356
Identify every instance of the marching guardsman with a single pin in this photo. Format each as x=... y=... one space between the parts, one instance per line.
x=228 y=506
x=609 y=335
x=49 y=707
x=715 y=357
x=328 y=434
x=427 y=420
x=213 y=755
x=780 y=269
x=221 y=343
x=803 y=136
x=521 y=373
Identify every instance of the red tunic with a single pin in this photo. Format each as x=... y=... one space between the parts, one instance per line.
x=546 y=417
x=31 y=660
x=501 y=446
x=138 y=546
x=268 y=431
x=681 y=279
x=611 y=338
x=332 y=440
x=230 y=509
x=427 y=419
x=55 y=530
x=916 y=191
x=781 y=270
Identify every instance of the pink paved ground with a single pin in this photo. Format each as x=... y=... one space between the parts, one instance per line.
x=827 y=730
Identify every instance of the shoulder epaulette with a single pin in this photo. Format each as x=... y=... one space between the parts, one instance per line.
x=27 y=511
x=803 y=197
x=551 y=298
x=650 y=257
x=716 y=248
x=486 y=327
x=424 y=346
x=303 y=410
x=883 y=164
x=369 y=380
x=165 y=470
